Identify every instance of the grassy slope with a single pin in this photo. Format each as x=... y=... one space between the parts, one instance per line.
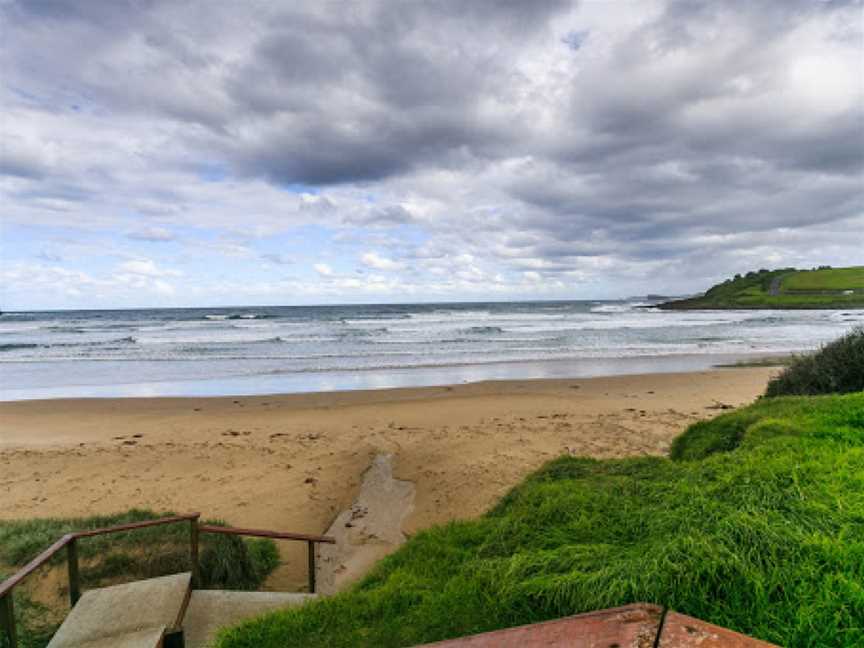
x=796 y=288
x=826 y=279
x=757 y=523
x=226 y=561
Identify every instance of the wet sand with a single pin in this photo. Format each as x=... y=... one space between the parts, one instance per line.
x=297 y=462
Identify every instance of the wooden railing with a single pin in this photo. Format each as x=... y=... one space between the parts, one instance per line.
x=69 y=541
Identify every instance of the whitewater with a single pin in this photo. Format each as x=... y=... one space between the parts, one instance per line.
x=251 y=350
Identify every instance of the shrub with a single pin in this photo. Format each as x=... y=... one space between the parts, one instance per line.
x=837 y=368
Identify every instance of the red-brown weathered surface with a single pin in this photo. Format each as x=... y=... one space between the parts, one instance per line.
x=631 y=626
x=682 y=631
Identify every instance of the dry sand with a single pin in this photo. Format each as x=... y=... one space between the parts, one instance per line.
x=297 y=462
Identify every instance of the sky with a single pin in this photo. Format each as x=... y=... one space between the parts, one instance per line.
x=163 y=153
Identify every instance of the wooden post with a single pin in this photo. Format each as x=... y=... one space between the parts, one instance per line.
x=74 y=577
x=193 y=552
x=311 y=545
x=7 y=620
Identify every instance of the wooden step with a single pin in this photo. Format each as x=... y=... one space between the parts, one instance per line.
x=133 y=615
x=210 y=610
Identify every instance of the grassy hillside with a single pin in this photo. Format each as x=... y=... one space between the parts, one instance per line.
x=755 y=523
x=784 y=288
x=226 y=562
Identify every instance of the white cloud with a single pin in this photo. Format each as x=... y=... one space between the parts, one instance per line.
x=457 y=155
x=151 y=234
x=374 y=260
x=145 y=268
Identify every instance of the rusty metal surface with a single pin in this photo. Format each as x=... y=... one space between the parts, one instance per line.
x=631 y=626
x=682 y=631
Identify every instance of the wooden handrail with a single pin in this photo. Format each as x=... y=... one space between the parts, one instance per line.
x=262 y=533
x=46 y=555
x=7 y=619
x=136 y=525
x=7 y=585
x=310 y=541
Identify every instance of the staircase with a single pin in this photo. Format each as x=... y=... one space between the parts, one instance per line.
x=161 y=613
x=155 y=613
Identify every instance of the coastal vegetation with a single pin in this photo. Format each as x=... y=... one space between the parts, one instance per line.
x=837 y=368
x=754 y=522
x=226 y=562
x=823 y=287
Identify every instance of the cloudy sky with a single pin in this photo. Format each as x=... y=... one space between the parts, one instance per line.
x=160 y=153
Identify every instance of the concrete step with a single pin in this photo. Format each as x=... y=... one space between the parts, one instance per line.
x=210 y=610
x=150 y=638
x=133 y=615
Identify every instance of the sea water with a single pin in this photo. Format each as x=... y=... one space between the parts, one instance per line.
x=256 y=350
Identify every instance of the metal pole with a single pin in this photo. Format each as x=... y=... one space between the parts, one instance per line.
x=311 y=545
x=74 y=578
x=193 y=552
x=7 y=620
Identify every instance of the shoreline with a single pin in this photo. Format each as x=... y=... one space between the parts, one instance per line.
x=296 y=462
x=377 y=379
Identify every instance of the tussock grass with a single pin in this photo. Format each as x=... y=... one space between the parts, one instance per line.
x=756 y=523
x=838 y=367
x=226 y=562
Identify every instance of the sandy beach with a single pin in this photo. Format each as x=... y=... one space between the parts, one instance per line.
x=297 y=462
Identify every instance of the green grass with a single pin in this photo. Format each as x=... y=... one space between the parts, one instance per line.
x=227 y=562
x=798 y=289
x=826 y=279
x=767 y=361
x=756 y=523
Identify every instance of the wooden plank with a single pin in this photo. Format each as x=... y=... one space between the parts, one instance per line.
x=7 y=620
x=193 y=552
x=682 y=631
x=632 y=625
x=72 y=566
x=262 y=533
x=136 y=525
x=311 y=549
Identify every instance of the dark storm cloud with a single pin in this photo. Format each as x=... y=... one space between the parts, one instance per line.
x=100 y=12
x=362 y=96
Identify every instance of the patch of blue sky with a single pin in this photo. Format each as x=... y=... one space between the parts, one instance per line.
x=411 y=234
x=212 y=171
x=300 y=188
x=306 y=239
x=576 y=39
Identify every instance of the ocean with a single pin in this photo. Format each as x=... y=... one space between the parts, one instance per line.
x=284 y=349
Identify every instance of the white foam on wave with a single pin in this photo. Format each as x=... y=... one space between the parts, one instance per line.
x=354 y=339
